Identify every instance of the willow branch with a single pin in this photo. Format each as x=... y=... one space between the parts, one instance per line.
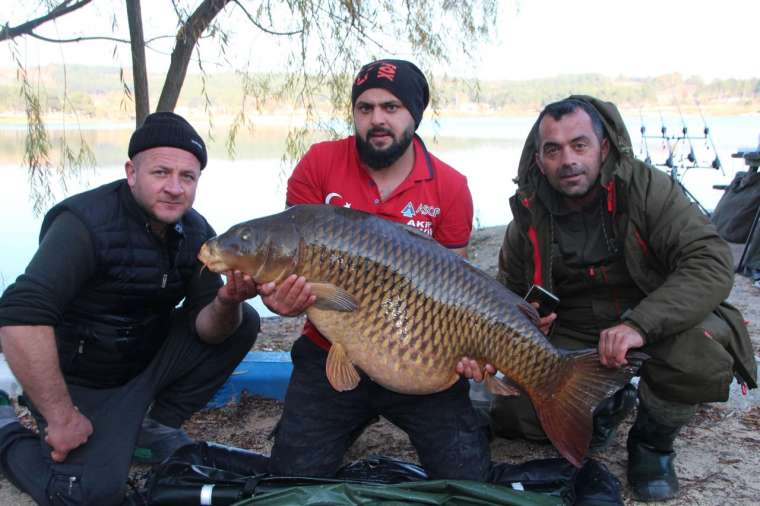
x=10 y=32
x=258 y=25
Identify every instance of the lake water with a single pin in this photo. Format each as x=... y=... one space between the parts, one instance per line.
x=486 y=150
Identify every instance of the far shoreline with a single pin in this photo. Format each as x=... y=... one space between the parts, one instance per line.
x=55 y=120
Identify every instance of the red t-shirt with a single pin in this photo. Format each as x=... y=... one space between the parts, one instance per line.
x=434 y=198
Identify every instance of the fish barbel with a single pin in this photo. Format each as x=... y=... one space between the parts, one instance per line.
x=404 y=309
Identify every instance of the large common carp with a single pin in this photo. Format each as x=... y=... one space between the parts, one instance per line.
x=404 y=309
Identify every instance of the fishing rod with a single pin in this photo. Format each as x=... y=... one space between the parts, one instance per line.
x=676 y=169
x=716 y=161
x=666 y=142
x=692 y=157
x=644 y=145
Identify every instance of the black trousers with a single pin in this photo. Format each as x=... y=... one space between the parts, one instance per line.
x=179 y=381
x=318 y=423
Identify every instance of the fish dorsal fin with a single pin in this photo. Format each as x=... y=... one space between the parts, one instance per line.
x=341 y=373
x=419 y=234
x=498 y=387
x=333 y=298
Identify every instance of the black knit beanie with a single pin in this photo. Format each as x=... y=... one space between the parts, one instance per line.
x=400 y=77
x=166 y=129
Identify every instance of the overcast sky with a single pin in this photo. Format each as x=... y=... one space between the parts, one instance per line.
x=534 y=38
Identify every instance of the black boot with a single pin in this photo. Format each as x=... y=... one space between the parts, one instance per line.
x=651 y=473
x=610 y=413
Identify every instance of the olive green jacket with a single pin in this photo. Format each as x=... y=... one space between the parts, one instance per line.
x=672 y=251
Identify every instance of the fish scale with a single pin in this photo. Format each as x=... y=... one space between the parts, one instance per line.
x=403 y=309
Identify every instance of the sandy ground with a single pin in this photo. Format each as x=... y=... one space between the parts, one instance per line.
x=718 y=454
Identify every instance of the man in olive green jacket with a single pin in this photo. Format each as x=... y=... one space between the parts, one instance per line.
x=635 y=266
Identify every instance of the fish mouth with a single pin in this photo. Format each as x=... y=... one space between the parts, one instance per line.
x=210 y=258
x=216 y=266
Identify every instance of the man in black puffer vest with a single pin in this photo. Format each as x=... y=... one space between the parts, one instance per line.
x=94 y=331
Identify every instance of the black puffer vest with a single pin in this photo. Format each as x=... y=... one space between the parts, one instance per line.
x=113 y=327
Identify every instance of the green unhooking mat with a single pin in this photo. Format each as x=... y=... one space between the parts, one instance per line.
x=435 y=492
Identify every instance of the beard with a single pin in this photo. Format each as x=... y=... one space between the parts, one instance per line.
x=378 y=159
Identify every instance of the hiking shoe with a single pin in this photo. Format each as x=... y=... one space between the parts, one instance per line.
x=157 y=442
x=651 y=471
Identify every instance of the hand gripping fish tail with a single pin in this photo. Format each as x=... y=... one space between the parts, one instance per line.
x=566 y=413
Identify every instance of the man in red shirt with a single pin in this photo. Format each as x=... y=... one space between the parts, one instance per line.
x=384 y=169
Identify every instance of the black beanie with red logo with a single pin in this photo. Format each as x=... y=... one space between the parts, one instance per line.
x=400 y=77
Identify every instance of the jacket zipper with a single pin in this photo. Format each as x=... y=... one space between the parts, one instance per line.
x=163 y=247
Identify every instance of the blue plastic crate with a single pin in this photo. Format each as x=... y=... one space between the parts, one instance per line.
x=264 y=373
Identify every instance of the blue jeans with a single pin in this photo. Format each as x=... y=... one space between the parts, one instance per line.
x=318 y=423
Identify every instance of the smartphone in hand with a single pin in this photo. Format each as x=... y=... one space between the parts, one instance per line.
x=547 y=301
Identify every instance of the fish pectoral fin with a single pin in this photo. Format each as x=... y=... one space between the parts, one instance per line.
x=497 y=387
x=341 y=373
x=333 y=298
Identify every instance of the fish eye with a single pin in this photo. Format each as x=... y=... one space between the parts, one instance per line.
x=245 y=236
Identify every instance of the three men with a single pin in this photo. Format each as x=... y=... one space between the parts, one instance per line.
x=635 y=266
x=384 y=169
x=93 y=333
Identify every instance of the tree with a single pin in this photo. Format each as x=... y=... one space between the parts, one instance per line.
x=326 y=39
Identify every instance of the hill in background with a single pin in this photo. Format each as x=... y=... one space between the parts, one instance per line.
x=105 y=93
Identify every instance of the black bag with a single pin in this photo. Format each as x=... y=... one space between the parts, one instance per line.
x=749 y=263
x=223 y=475
x=737 y=207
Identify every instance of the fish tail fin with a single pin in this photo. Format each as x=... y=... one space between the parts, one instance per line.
x=566 y=413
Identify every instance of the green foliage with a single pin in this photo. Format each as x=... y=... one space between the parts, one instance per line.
x=37 y=144
x=38 y=155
